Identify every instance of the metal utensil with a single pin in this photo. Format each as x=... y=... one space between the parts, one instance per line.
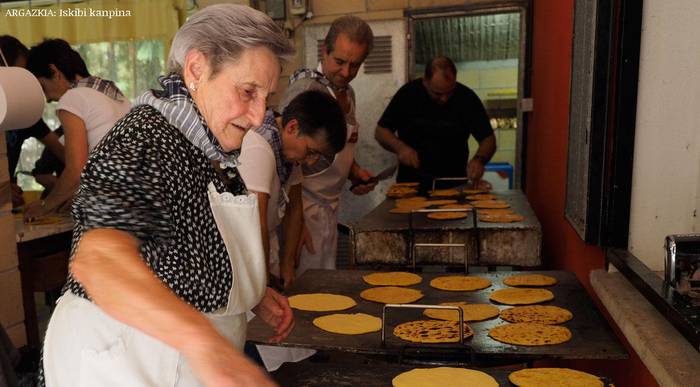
x=383 y=175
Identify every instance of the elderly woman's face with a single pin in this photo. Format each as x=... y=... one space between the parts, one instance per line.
x=233 y=101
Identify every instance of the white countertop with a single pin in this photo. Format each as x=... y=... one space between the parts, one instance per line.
x=27 y=232
x=665 y=352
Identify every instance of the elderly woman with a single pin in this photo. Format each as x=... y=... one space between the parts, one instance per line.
x=88 y=107
x=167 y=255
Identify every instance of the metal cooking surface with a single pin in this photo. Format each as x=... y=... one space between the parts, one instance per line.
x=592 y=337
x=380 y=219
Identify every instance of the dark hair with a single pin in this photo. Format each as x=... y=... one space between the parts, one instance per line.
x=12 y=49
x=318 y=114
x=59 y=53
x=440 y=63
x=356 y=29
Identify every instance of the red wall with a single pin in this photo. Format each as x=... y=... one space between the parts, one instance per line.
x=545 y=184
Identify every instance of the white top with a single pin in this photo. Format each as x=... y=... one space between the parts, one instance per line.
x=259 y=172
x=98 y=111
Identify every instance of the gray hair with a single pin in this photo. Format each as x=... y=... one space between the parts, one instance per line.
x=356 y=29
x=222 y=32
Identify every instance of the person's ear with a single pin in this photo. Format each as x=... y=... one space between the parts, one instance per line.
x=56 y=74
x=292 y=127
x=195 y=68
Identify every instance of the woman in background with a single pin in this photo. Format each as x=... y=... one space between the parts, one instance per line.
x=88 y=107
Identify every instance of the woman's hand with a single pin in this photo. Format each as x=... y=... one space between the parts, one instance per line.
x=275 y=311
x=217 y=363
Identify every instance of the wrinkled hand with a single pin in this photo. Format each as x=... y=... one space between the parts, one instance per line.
x=363 y=175
x=408 y=156
x=475 y=170
x=275 y=311
x=34 y=210
x=17 y=197
x=217 y=363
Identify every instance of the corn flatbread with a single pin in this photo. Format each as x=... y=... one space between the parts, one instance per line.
x=541 y=314
x=406 y=184
x=447 y=215
x=460 y=283
x=553 y=377
x=470 y=312
x=501 y=218
x=443 y=377
x=459 y=206
x=521 y=296
x=400 y=192
x=441 y=202
x=392 y=278
x=445 y=192
x=391 y=295
x=349 y=324
x=406 y=208
x=321 y=302
x=494 y=211
x=530 y=280
x=530 y=334
x=411 y=200
x=490 y=204
x=431 y=331
x=484 y=196
x=474 y=191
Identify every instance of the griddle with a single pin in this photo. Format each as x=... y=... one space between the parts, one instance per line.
x=383 y=237
x=592 y=336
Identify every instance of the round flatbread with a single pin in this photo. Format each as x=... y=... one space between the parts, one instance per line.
x=530 y=334
x=441 y=202
x=321 y=302
x=521 y=296
x=400 y=192
x=490 y=204
x=474 y=191
x=444 y=192
x=406 y=184
x=460 y=283
x=447 y=215
x=553 y=377
x=349 y=324
x=392 y=278
x=431 y=331
x=409 y=201
x=406 y=208
x=494 y=211
x=484 y=196
x=530 y=280
x=443 y=377
x=541 y=314
x=459 y=206
x=501 y=218
x=470 y=312
x=391 y=295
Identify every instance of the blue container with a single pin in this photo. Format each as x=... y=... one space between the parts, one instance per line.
x=504 y=170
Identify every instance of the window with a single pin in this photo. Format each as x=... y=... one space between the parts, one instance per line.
x=133 y=65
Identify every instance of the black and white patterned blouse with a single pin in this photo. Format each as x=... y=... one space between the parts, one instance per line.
x=147 y=179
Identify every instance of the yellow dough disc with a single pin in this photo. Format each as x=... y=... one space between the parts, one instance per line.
x=541 y=314
x=392 y=278
x=447 y=215
x=470 y=312
x=530 y=334
x=521 y=296
x=501 y=218
x=490 y=204
x=530 y=280
x=444 y=377
x=460 y=283
x=391 y=295
x=553 y=377
x=349 y=324
x=321 y=302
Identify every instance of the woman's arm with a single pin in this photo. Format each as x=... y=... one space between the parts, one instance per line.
x=108 y=264
x=263 y=198
x=76 y=154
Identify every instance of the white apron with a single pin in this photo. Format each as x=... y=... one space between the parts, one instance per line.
x=86 y=347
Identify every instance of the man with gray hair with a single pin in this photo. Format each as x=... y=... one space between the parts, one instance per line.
x=346 y=46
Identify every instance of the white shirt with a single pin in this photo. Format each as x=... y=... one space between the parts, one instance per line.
x=98 y=111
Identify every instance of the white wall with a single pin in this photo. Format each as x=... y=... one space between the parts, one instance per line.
x=666 y=177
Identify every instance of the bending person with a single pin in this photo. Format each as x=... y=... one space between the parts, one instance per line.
x=161 y=234
x=88 y=107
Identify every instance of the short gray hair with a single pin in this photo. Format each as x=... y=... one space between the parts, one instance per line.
x=356 y=29
x=222 y=32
